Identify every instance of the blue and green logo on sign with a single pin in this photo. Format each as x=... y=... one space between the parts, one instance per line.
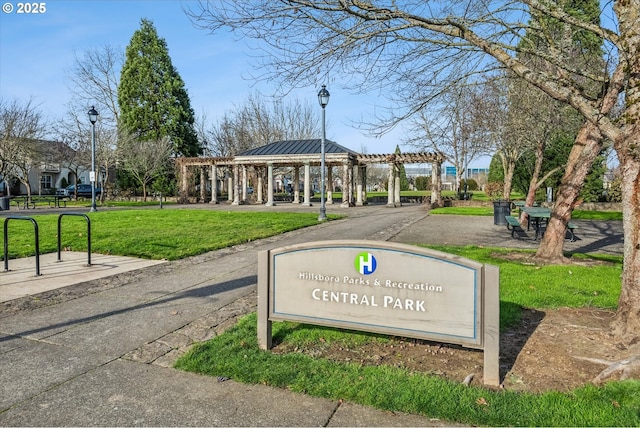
x=365 y=263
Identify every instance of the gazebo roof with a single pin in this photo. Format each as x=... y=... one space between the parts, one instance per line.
x=297 y=147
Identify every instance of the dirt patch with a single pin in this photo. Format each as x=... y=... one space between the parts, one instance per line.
x=540 y=354
x=531 y=259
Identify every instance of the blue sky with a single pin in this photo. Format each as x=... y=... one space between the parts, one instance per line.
x=37 y=51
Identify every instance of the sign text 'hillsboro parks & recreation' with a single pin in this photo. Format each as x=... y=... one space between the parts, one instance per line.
x=382 y=287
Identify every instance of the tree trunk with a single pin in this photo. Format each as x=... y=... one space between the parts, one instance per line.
x=533 y=185
x=586 y=148
x=508 y=180
x=27 y=185
x=627 y=145
x=627 y=321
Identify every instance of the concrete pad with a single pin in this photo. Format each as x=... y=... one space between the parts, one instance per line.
x=355 y=415
x=21 y=279
x=124 y=393
x=25 y=374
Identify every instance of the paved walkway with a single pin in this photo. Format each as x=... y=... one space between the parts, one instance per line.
x=100 y=352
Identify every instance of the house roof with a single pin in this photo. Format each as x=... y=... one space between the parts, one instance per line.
x=297 y=147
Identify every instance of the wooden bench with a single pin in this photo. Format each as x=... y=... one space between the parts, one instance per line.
x=512 y=224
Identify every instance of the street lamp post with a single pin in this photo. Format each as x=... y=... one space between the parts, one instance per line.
x=93 y=117
x=323 y=99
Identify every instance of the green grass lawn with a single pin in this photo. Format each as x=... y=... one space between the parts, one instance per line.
x=153 y=234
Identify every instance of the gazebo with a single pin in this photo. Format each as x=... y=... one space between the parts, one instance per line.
x=297 y=154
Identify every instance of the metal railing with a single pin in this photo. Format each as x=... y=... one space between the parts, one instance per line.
x=88 y=234
x=6 y=241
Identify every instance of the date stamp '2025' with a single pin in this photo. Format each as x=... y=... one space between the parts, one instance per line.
x=32 y=8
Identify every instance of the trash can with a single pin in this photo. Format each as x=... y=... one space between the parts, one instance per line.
x=4 y=203
x=500 y=210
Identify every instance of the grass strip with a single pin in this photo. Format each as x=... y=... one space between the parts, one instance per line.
x=479 y=211
x=488 y=211
x=235 y=354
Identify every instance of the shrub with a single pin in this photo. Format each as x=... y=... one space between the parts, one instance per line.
x=614 y=193
x=471 y=184
x=494 y=190
x=423 y=183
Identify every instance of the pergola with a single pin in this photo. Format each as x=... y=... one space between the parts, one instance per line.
x=297 y=154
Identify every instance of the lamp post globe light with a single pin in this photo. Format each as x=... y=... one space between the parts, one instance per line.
x=93 y=118
x=323 y=99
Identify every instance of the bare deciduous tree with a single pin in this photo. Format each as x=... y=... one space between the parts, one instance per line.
x=415 y=48
x=21 y=126
x=452 y=128
x=534 y=118
x=74 y=129
x=257 y=123
x=93 y=80
x=144 y=160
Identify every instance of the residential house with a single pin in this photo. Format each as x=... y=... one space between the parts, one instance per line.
x=49 y=165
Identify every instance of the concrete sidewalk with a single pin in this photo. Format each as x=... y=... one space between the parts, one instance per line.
x=99 y=352
x=73 y=268
x=102 y=357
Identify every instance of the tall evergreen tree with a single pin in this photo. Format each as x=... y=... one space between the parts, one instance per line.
x=152 y=96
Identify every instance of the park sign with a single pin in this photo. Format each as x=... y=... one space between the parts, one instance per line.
x=385 y=288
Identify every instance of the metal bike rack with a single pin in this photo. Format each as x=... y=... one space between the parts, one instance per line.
x=6 y=241
x=88 y=234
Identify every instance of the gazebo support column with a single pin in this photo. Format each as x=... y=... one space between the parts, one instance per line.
x=398 y=202
x=214 y=185
x=329 y=184
x=352 y=186
x=236 y=184
x=391 y=186
x=270 y=202
x=184 y=191
x=359 y=185
x=230 y=187
x=244 y=184
x=296 y=185
x=436 y=184
x=203 y=185
x=307 y=184
x=260 y=186
x=346 y=185
x=364 y=184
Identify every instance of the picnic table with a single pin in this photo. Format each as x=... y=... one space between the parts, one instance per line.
x=538 y=215
x=520 y=204
x=26 y=202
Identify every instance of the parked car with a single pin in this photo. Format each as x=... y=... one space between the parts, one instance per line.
x=84 y=191
x=65 y=191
